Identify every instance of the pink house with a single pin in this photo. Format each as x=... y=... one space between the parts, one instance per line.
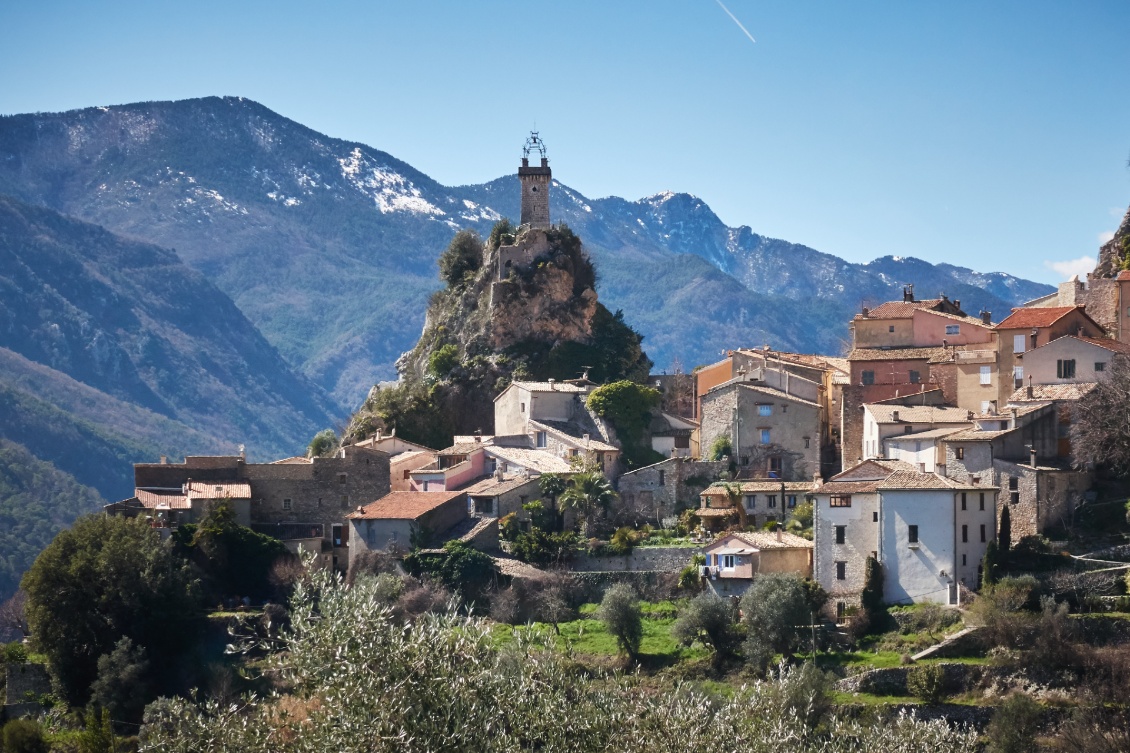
x=733 y=559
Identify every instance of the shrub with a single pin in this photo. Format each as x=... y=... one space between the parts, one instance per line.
x=323 y=444
x=621 y=541
x=15 y=653
x=1013 y=727
x=620 y=612
x=23 y=736
x=720 y=448
x=463 y=257
x=926 y=681
x=774 y=609
x=442 y=360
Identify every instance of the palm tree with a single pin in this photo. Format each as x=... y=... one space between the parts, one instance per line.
x=588 y=492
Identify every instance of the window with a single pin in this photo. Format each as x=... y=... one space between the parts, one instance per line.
x=912 y=534
x=764 y=436
x=286 y=503
x=841 y=611
x=1014 y=498
x=965 y=534
x=1013 y=483
x=345 y=500
x=1018 y=343
x=987 y=407
x=727 y=562
x=791 y=500
x=764 y=409
x=986 y=375
x=915 y=377
x=774 y=467
x=841 y=533
x=522 y=407
x=1017 y=376
x=336 y=528
x=1065 y=368
x=982 y=533
x=982 y=500
x=319 y=501
x=807 y=442
x=869 y=377
x=841 y=570
x=406 y=475
x=875 y=516
x=771 y=500
x=1100 y=366
x=959 y=453
x=341 y=478
x=663 y=478
x=540 y=439
x=890 y=328
x=839 y=500
x=963 y=562
x=750 y=501
x=963 y=500
x=953 y=329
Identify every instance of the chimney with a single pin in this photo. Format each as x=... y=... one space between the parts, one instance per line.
x=968 y=415
x=895 y=416
x=908 y=293
x=956 y=304
x=1032 y=456
x=777 y=529
x=478 y=435
x=1031 y=392
x=921 y=467
x=164 y=460
x=817 y=481
x=866 y=311
x=1012 y=417
x=242 y=452
x=986 y=318
x=380 y=433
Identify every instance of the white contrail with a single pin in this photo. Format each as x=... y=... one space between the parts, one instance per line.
x=739 y=23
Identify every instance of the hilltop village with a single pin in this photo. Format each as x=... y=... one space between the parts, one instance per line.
x=937 y=433
x=909 y=521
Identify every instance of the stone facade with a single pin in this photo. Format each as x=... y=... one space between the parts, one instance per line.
x=671 y=559
x=24 y=684
x=659 y=492
x=773 y=434
x=1038 y=498
x=318 y=491
x=535 y=192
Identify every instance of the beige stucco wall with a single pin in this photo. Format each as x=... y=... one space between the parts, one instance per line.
x=1041 y=364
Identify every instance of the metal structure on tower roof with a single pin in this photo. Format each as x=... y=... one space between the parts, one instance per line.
x=534 y=141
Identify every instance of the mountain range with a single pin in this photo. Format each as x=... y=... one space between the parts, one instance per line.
x=185 y=277
x=329 y=246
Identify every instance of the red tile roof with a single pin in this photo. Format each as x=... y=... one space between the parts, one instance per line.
x=1123 y=275
x=1035 y=317
x=403 y=505
x=170 y=498
x=899 y=309
x=219 y=490
x=1112 y=345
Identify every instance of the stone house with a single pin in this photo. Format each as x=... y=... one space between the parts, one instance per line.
x=1071 y=360
x=1105 y=295
x=762 y=502
x=774 y=432
x=673 y=436
x=495 y=497
x=657 y=493
x=1026 y=329
x=927 y=532
x=404 y=457
x=734 y=559
x=882 y=421
x=398 y=520
x=305 y=491
x=1017 y=453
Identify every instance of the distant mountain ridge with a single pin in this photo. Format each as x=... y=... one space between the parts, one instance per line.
x=329 y=246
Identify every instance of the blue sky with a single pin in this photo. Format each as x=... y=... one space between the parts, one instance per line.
x=991 y=135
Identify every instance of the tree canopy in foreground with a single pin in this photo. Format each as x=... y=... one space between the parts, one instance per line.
x=357 y=680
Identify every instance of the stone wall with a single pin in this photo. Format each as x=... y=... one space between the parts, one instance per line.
x=660 y=491
x=668 y=559
x=651 y=585
x=24 y=684
x=1044 y=498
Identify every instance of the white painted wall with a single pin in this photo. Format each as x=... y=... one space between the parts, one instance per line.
x=913 y=572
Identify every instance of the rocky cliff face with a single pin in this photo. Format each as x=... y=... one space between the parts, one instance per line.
x=528 y=311
x=1114 y=253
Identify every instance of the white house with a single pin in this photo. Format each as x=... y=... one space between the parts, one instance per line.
x=883 y=420
x=927 y=532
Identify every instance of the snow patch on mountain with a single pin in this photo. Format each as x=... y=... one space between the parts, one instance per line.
x=389 y=190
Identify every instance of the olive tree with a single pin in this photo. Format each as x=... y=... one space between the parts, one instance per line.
x=620 y=612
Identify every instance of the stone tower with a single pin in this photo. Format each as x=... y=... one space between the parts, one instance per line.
x=535 y=184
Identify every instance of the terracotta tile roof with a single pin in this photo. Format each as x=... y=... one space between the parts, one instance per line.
x=219 y=490
x=492 y=487
x=1123 y=275
x=897 y=354
x=296 y=460
x=172 y=499
x=1052 y=392
x=403 y=505
x=747 y=487
x=1114 y=346
x=917 y=414
x=976 y=435
x=536 y=460
x=916 y=480
x=899 y=309
x=768 y=540
x=463 y=448
x=1035 y=317
x=847 y=487
x=547 y=387
x=575 y=434
x=715 y=512
x=928 y=434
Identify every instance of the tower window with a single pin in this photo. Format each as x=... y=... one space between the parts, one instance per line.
x=534 y=189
